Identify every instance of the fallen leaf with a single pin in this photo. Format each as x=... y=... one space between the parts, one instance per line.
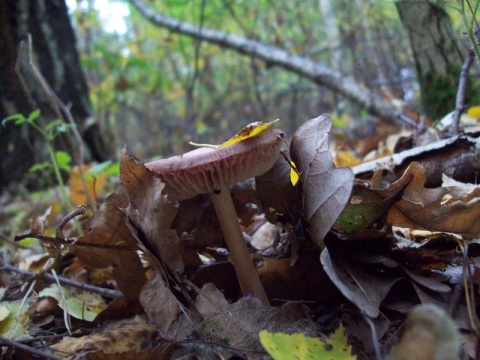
x=165 y=311
x=82 y=305
x=281 y=201
x=326 y=189
x=298 y=346
x=109 y=242
x=365 y=208
x=452 y=209
x=123 y=339
x=150 y=212
x=15 y=319
x=83 y=192
x=248 y=131
x=239 y=323
x=364 y=289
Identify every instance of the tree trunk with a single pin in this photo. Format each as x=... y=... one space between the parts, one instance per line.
x=316 y=72
x=330 y=27
x=21 y=89
x=437 y=53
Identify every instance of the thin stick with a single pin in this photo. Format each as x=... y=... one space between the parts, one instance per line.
x=74 y=242
x=108 y=293
x=462 y=88
x=66 y=315
x=17 y=345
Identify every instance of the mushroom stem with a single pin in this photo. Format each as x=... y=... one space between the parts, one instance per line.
x=246 y=273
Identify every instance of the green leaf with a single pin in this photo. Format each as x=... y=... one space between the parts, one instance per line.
x=82 y=305
x=298 y=346
x=63 y=160
x=35 y=114
x=38 y=167
x=18 y=118
x=114 y=169
x=52 y=128
x=13 y=319
x=99 y=168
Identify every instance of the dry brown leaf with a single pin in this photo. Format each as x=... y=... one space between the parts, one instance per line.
x=306 y=280
x=326 y=189
x=238 y=324
x=109 y=242
x=120 y=339
x=362 y=288
x=165 y=311
x=150 y=212
x=196 y=216
x=210 y=301
x=106 y=228
x=451 y=209
x=277 y=194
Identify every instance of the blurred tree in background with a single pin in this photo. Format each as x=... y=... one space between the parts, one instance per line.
x=33 y=75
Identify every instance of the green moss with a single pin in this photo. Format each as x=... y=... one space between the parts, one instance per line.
x=439 y=93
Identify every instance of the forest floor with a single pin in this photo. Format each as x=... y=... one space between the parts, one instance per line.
x=363 y=250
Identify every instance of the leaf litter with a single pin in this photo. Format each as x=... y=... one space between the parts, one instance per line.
x=362 y=252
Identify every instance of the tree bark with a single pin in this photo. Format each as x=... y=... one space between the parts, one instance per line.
x=22 y=91
x=316 y=72
x=330 y=27
x=438 y=55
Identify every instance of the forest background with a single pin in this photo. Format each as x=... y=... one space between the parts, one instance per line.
x=155 y=90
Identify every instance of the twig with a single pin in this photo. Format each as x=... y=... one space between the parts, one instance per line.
x=66 y=316
x=108 y=293
x=17 y=345
x=462 y=88
x=73 y=242
x=71 y=215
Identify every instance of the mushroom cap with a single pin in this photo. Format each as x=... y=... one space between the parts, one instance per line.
x=203 y=170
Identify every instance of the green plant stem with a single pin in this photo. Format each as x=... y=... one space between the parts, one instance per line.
x=65 y=204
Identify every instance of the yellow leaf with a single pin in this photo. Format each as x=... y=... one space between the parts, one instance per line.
x=298 y=346
x=345 y=157
x=13 y=324
x=474 y=111
x=248 y=131
x=80 y=194
x=294 y=174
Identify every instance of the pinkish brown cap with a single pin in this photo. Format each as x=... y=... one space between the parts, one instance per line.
x=203 y=170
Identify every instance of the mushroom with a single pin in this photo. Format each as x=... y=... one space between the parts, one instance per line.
x=207 y=170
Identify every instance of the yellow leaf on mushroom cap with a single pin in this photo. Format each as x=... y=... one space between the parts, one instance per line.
x=248 y=131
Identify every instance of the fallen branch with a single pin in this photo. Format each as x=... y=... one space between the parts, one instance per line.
x=458 y=157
